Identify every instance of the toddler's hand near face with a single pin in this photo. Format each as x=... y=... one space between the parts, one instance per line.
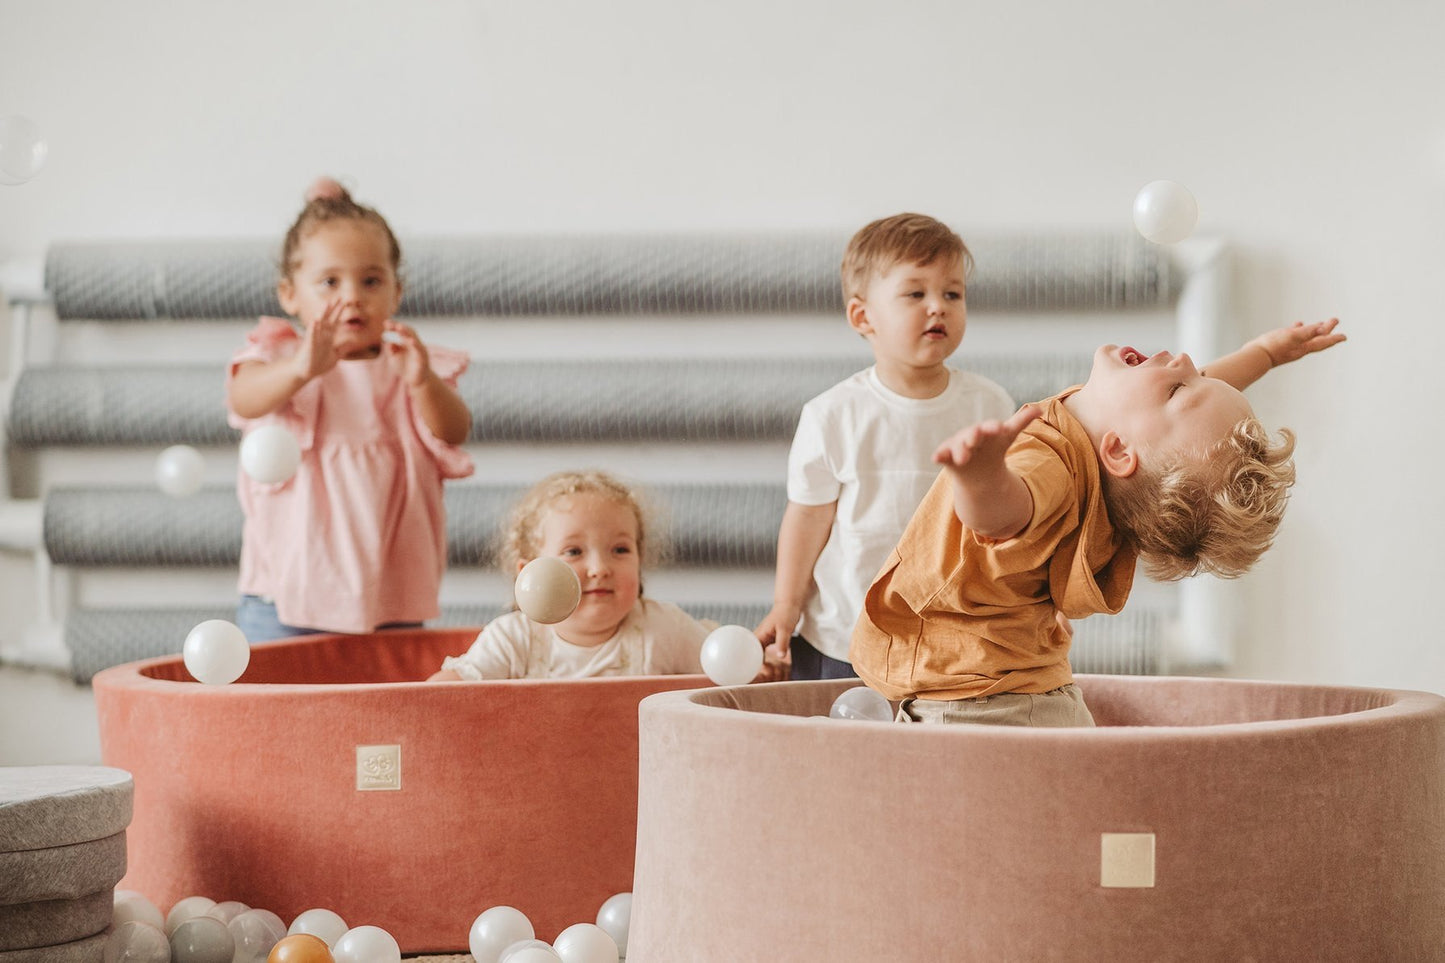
x=317 y=354
x=1294 y=341
x=404 y=347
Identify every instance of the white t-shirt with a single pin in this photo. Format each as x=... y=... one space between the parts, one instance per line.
x=656 y=638
x=871 y=450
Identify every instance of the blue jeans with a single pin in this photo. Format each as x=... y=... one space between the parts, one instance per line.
x=809 y=663
x=257 y=618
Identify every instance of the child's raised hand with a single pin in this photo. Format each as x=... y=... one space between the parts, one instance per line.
x=981 y=447
x=1294 y=341
x=403 y=346
x=317 y=354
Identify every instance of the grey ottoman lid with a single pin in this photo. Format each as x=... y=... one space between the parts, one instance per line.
x=49 y=922
x=61 y=872
x=88 y=950
x=45 y=806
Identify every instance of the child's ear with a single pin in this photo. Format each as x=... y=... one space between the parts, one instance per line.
x=857 y=313
x=1117 y=456
x=286 y=294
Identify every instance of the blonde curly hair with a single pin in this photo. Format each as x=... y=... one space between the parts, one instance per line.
x=1215 y=512
x=902 y=238
x=521 y=533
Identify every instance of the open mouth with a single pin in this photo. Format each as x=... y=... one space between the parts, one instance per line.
x=1131 y=356
x=937 y=331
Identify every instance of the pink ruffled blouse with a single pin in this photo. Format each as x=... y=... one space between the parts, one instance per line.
x=357 y=537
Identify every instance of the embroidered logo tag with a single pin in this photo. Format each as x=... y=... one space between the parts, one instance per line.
x=378 y=767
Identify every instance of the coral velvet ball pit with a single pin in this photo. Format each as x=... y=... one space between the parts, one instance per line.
x=330 y=775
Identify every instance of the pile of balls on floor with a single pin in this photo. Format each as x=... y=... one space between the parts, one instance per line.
x=199 y=930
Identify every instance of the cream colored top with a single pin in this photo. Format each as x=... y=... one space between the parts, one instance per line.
x=955 y=616
x=656 y=638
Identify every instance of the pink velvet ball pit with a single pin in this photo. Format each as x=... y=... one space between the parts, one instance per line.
x=521 y=793
x=1289 y=823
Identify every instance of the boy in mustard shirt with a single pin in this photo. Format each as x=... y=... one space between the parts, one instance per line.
x=1047 y=512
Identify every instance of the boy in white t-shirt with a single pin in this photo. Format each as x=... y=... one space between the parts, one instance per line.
x=862 y=457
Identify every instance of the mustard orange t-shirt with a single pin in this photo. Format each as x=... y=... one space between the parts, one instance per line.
x=955 y=616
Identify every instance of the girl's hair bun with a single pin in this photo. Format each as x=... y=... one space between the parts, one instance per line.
x=325 y=189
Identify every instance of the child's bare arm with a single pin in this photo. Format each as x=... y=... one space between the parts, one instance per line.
x=1244 y=367
x=258 y=388
x=444 y=675
x=988 y=497
x=443 y=410
x=801 y=537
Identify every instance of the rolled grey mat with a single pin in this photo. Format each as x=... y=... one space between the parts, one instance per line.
x=724 y=524
x=661 y=400
x=599 y=275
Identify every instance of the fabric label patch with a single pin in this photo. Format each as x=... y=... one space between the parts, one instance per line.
x=1126 y=860
x=378 y=767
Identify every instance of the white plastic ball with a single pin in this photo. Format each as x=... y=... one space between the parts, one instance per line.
x=187 y=908
x=861 y=704
x=547 y=590
x=1165 y=212
x=367 y=944
x=255 y=933
x=227 y=911
x=129 y=905
x=22 y=149
x=732 y=655
x=270 y=454
x=202 y=939
x=216 y=652
x=322 y=923
x=537 y=951
x=585 y=943
x=277 y=924
x=180 y=471
x=495 y=930
x=134 y=941
x=615 y=917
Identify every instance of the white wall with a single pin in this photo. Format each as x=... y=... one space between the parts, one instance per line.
x=1313 y=134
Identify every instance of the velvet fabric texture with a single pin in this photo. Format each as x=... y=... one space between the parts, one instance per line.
x=520 y=792
x=1289 y=823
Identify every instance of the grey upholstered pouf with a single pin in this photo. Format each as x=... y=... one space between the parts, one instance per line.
x=62 y=850
x=88 y=950
x=61 y=872
x=25 y=926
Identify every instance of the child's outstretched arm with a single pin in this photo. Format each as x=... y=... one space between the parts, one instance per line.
x=988 y=497
x=258 y=388
x=801 y=537
x=443 y=410
x=1244 y=367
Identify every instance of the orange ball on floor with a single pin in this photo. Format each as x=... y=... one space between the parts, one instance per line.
x=301 y=948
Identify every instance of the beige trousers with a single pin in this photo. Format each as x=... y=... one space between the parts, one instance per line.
x=1062 y=708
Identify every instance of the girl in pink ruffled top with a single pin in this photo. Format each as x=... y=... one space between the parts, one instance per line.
x=356 y=539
